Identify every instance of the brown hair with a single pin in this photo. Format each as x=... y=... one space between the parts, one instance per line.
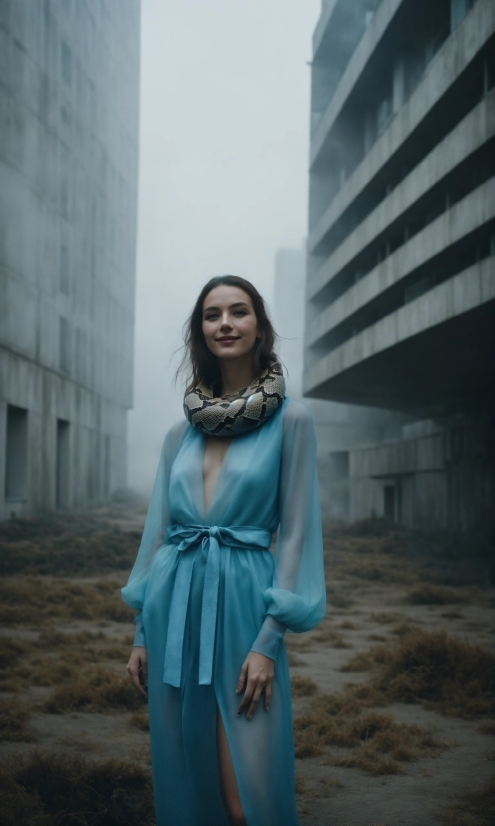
x=203 y=365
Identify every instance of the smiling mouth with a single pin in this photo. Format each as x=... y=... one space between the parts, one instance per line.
x=228 y=338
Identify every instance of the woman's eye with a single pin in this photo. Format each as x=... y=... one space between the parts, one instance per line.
x=211 y=317
x=240 y=312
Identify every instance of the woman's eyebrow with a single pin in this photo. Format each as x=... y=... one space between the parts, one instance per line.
x=231 y=306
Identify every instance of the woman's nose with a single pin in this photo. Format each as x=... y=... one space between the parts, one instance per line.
x=226 y=322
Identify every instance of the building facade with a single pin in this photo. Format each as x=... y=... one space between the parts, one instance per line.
x=401 y=250
x=339 y=427
x=69 y=100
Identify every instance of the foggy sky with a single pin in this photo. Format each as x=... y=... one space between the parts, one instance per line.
x=224 y=144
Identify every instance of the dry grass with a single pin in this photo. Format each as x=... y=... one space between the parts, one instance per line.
x=387 y=617
x=69 y=545
x=94 y=689
x=302 y=687
x=432 y=668
x=140 y=719
x=338 y=599
x=473 y=808
x=376 y=740
x=448 y=558
x=487 y=728
x=426 y=594
x=14 y=717
x=36 y=600
x=43 y=790
x=439 y=671
x=56 y=657
x=330 y=637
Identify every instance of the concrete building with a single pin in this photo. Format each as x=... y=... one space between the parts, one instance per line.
x=401 y=248
x=339 y=427
x=69 y=76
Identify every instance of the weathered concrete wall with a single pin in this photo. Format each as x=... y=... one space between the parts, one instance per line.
x=69 y=95
x=400 y=300
x=444 y=480
x=472 y=288
x=463 y=44
x=339 y=427
x=470 y=134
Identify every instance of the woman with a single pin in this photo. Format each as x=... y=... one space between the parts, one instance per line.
x=213 y=603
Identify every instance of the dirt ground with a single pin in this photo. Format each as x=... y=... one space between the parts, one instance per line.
x=393 y=718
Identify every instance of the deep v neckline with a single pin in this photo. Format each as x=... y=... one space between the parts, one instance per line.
x=207 y=510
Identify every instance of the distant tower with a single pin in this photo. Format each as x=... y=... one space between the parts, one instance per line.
x=69 y=96
x=401 y=249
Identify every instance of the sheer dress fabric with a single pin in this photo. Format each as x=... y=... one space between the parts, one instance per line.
x=207 y=590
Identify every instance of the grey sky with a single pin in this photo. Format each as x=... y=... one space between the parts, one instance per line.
x=223 y=173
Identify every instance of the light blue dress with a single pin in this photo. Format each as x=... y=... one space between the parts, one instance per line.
x=208 y=590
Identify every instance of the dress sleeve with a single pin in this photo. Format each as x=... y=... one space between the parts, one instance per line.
x=155 y=528
x=297 y=599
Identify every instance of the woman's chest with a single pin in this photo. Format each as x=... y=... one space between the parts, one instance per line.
x=231 y=483
x=214 y=455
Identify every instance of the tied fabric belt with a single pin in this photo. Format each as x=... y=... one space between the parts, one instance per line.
x=188 y=539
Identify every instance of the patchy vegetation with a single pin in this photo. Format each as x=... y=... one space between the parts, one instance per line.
x=45 y=789
x=426 y=594
x=434 y=669
x=473 y=808
x=14 y=717
x=302 y=687
x=36 y=600
x=66 y=646
x=378 y=743
x=68 y=545
x=56 y=657
x=94 y=689
x=442 y=672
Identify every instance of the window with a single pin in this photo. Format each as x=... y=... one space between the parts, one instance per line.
x=62 y=465
x=16 y=466
x=389 y=502
x=418 y=288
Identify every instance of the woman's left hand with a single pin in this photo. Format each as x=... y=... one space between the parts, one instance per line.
x=257 y=676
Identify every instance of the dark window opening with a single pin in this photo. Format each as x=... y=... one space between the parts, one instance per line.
x=389 y=502
x=62 y=464
x=16 y=466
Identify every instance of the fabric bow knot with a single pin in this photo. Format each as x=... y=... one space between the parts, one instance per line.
x=189 y=539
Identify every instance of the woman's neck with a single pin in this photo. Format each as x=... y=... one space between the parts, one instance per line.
x=236 y=374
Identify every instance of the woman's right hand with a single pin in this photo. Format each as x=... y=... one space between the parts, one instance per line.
x=137 y=668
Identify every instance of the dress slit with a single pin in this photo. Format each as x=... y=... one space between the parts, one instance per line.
x=226 y=758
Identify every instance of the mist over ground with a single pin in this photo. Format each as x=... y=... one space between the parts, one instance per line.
x=223 y=174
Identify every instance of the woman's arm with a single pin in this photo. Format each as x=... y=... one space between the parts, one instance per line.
x=155 y=527
x=297 y=598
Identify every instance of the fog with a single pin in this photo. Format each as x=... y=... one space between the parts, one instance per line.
x=223 y=174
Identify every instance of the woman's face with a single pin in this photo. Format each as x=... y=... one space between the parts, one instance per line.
x=229 y=323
